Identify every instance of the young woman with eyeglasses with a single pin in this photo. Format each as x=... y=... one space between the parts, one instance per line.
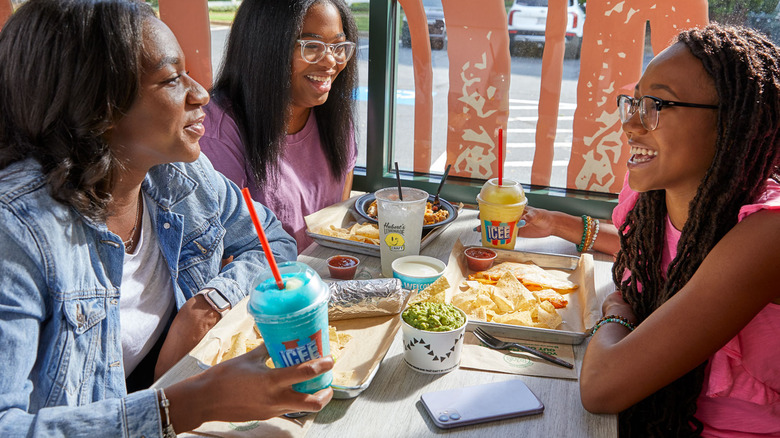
x=281 y=117
x=690 y=343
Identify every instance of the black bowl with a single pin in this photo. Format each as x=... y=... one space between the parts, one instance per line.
x=362 y=203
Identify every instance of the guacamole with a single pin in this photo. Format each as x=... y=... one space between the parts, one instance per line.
x=433 y=317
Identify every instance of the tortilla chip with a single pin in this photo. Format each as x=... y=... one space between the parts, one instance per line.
x=547 y=317
x=364 y=233
x=521 y=317
x=366 y=230
x=463 y=300
x=337 y=341
x=251 y=344
x=434 y=293
x=480 y=313
x=237 y=347
x=508 y=293
x=550 y=295
x=509 y=301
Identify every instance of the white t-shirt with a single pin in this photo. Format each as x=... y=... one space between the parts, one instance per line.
x=146 y=297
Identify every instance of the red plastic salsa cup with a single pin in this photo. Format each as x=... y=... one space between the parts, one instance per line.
x=343 y=267
x=480 y=259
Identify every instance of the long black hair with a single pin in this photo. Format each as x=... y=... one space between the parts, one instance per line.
x=68 y=70
x=253 y=84
x=745 y=68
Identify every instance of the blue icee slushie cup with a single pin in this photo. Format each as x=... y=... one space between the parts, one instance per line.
x=293 y=321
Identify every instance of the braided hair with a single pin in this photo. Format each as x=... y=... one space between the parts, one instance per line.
x=744 y=66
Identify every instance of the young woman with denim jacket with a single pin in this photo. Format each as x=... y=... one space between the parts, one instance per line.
x=99 y=161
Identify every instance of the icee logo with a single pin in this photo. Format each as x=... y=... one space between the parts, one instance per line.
x=293 y=353
x=497 y=232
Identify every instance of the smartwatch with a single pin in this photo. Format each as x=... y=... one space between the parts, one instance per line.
x=216 y=300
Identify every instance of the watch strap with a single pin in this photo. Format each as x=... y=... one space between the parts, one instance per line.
x=207 y=294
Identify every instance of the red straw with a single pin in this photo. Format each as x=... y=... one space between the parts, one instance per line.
x=263 y=240
x=500 y=155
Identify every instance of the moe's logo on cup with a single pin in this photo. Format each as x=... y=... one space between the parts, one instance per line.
x=294 y=353
x=497 y=232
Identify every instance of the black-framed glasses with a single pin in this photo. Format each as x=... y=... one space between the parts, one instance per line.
x=312 y=51
x=649 y=107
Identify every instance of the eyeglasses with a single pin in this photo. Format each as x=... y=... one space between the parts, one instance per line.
x=649 y=107
x=312 y=51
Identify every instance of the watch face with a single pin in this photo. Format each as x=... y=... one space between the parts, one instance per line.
x=218 y=299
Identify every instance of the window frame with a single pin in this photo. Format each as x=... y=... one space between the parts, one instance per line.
x=384 y=20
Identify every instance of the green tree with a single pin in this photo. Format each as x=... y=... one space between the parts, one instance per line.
x=736 y=11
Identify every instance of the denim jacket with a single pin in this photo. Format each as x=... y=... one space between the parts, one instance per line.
x=61 y=370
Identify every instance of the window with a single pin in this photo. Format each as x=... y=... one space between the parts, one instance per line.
x=564 y=141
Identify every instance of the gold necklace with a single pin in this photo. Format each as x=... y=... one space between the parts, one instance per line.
x=130 y=242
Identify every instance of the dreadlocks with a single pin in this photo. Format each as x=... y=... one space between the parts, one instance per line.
x=745 y=70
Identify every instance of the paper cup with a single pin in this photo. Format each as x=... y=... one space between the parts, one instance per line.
x=432 y=352
x=417 y=272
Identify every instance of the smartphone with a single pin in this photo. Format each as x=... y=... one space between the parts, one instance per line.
x=481 y=403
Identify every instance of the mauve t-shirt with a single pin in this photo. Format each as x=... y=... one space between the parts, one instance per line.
x=305 y=182
x=741 y=392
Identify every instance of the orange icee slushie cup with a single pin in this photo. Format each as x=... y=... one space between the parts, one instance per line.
x=500 y=207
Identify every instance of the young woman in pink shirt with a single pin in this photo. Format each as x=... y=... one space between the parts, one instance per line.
x=280 y=121
x=690 y=342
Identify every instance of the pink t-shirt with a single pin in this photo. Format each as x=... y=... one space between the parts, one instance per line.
x=741 y=392
x=305 y=182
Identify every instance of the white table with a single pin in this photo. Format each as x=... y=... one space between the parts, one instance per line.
x=391 y=406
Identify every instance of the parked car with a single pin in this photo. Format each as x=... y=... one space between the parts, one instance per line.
x=436 y=28
x=528 y=18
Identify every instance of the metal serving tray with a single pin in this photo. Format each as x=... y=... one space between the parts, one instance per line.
x=578 y=316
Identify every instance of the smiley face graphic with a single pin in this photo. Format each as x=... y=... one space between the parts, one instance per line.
x=395 y=241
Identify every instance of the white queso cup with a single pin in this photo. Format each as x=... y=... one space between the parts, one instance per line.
x=433 y=352
x=417 y=272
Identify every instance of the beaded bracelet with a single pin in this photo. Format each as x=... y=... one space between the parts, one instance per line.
x=586 y=230
x=595 y=234
x=613 y=318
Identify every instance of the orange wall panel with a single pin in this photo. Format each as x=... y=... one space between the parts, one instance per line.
x=5 y=11
x=189 y=21
x=478 y=100
x=423 y=83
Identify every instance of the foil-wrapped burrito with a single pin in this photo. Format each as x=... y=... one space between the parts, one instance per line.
x=364 y=298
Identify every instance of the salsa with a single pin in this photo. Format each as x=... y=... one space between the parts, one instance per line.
x=342 y=262
x=480 y=253
x=433 y=317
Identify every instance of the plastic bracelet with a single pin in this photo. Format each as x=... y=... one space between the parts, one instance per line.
x=586 y=226
x=595 y=234
x=613 y=318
